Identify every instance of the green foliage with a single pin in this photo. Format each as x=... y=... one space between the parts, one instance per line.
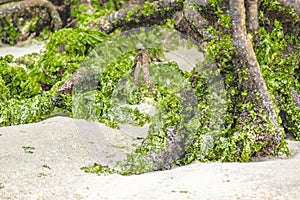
x=28 y=149
x=115 y=4
x=168 y=115
x=75 y=42
x=215 y=5
x=98 y=169
x=30 y=26
x=84 y=17
x=208 y=133
x=277 y=6
x=223 y=19
x=279 y=12
x=148 y=9
x=27 y=110
x=136 y=163
x=22 y=98
x=16 y=82
x=279 y=73
x=65 y=50
x=108 y=82
x=8 y=32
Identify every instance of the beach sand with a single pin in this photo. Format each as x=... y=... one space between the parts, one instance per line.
x=43 y=160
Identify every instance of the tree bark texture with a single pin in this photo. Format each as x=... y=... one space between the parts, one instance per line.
x=252 y=15
x=23 y=5
x=246 y=55
x=295 y=4
x=133 y=17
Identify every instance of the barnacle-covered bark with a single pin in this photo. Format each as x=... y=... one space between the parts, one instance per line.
x=194 y=18
x=191 y=23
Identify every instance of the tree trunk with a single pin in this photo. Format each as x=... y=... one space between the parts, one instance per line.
x=248 y=69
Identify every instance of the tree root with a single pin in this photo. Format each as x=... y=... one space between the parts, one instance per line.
x=295 y=4
x=18 y=7
x=138 y=16
x=143 y=62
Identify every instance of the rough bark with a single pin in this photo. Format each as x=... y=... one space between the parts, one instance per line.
x=77 y=77
x=252 y=15
x=7 y=1
x=143 y=62
x=295 y=4
x=137 y=19
x=23 y=5
x=296 y=97
x=247 y=58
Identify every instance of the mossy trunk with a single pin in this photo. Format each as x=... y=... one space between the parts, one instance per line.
x=252 y=82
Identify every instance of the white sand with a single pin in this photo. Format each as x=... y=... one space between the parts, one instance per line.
x=18 y=51
x=66 y=144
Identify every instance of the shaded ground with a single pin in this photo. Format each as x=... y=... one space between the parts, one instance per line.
x=62 y=145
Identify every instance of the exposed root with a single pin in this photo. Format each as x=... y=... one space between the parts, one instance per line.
x=15 y=8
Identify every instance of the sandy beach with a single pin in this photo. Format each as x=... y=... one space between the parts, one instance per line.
x=26 y=48
x=43 y=161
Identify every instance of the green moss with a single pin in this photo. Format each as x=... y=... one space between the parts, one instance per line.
x=206 y=137
x=16 y=81
x=98 y=169
x=84 y=18
x=237 y=142
x=9 y=33
x=279 y=73
x=30 y=26
x=64 y=52
x=27 y=110
x=148 y=9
